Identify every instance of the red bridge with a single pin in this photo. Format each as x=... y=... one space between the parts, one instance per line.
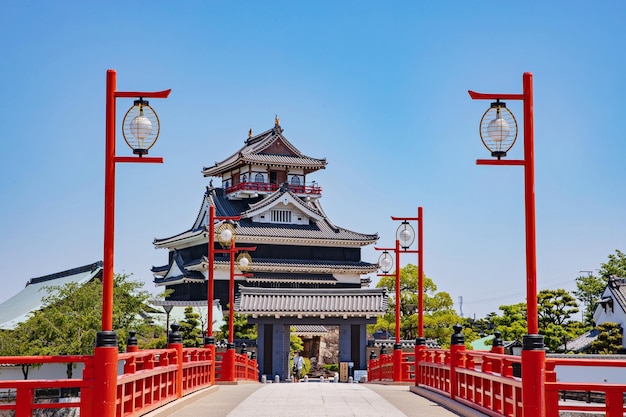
x=149 y=379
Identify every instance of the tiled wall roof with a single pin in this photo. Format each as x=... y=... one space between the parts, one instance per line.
x=312 y=302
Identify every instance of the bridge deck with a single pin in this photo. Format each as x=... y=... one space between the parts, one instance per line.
x=310 y=399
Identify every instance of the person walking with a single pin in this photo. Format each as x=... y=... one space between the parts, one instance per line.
x=298 y=366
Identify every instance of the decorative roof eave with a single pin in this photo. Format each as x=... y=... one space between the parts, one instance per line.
x=177 y=280
x=288 y=198
x=288 y=268
x=345 y=303
x=300 y=281
x=160 y=271
x=192 y=238
x=289 y=161
x=254 y=146
x=308 y=164
x=182 y=240
x=343 y=314
x=248 y=239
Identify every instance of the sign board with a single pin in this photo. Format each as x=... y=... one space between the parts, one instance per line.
x=343 y=371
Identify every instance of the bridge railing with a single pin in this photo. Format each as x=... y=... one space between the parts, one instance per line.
x=490 y=381
x=611 y=394
x=147 y=380
x=485 y=381
x=20 y=396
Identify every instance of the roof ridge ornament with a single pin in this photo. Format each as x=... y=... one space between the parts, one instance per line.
x=250 y=133
x=277 y=127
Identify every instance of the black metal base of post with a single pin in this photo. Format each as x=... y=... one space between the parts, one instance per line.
x=106 y=338
x=532 y=342
x=420 y=341
x=209 y=340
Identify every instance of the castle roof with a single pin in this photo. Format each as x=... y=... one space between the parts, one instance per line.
x=320 y=229
x=270 y=148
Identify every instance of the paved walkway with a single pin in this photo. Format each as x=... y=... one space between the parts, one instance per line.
x=306 y=400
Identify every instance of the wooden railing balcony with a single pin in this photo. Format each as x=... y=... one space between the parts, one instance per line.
x=312 y=189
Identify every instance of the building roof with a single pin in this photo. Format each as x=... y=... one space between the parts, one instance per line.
x=17 y=308
x=581 y=343
x=275 y=277
x=481 y=344
x=359 y=302
x=252 y=232
x=269 y=148
x=263 y=270
x=617 y=286
x=309 y=330
x=176 y=272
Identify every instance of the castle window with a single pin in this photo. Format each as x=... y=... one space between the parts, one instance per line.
x=259 y=178
x=295 y=180
x=244 y=178
x=281 y=216
x=226 y=184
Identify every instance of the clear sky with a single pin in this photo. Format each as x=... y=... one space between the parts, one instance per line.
x=377 y=88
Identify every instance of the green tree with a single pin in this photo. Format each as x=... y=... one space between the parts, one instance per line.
x=190 y=328
x=555 y=307
x=242 y=329
x=295 y=343
x=609 y=340
x=589 y=289
x=72 y=315
x=615 y=266
x=439 y=314
x=512 y=324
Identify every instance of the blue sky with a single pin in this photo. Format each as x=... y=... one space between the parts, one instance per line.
x=377 y=88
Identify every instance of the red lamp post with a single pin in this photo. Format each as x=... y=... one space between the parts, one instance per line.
x=140 y=133
x=226 y=237
x=385 y=264
x=211 y=265
x=498 y=135
x=406 y=235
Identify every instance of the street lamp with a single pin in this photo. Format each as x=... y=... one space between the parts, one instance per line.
x=406 y=235
x=141 y=135
x=498 y=132
x=225 y=235
x=385 y=264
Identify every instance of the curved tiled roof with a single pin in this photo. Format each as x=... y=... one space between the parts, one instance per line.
x=277 y=277
x=312 y=302
x=176 y=272
x=271 y=264
x=255 y=151
x=246 y=228
x=283 y=193
x=18 y=308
